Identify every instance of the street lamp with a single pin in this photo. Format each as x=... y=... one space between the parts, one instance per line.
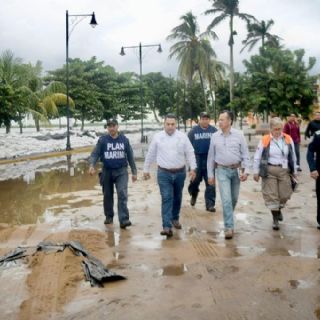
x=78 y=19
x=122 y=53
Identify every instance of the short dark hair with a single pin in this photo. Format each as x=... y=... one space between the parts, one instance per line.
x=170 y=116
x=229 y=113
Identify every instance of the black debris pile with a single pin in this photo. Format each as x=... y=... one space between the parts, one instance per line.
x=93 y=268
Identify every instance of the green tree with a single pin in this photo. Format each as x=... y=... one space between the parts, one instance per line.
x=192 y=49
x=259 y=31
x=228 y=9
x=160 y=92
x=286 y=85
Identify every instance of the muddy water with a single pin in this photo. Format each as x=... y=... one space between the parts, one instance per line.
x=24 y=199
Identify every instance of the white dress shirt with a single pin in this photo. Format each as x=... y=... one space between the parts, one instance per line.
x=278 y=152
x=170 y=151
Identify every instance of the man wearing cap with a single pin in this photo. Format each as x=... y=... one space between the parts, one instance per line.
x=115 y=152
x=200 y=136
x=171 y=150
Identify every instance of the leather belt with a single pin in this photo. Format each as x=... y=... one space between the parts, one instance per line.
x=274 y=165
x=230 y=166
x=173 y=170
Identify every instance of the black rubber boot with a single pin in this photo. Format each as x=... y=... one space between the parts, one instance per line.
x=275 y=215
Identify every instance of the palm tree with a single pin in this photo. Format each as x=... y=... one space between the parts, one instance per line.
x=215 y=76
x=192 y=48
x=260 y=31
x=228 y=9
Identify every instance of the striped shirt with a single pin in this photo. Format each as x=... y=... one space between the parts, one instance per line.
x=228 y=150
x=170 y=151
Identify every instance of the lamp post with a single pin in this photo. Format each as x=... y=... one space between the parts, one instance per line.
x=122 y=53
x=78 y=19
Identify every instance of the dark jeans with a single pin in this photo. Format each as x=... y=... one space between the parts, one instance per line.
x=201 y=173
x=297 y=151
x=318 y=199
x=119 y=178
x=171 y=187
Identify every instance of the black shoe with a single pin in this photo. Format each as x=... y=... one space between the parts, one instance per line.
x=125 y=224
x=318 y=227
x=193 y=200
x=108 y=220
x=299 y=169
x=275 y=215
x=280 y=216
x=211 y=209
x=167 y=232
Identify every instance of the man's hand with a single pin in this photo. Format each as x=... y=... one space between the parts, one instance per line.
x=243 y=176
x=192 y=175
x=146 y=175
x=256 y=177
x=92 y=171
x=211 y=181
x=314 y=174
x=134 y=178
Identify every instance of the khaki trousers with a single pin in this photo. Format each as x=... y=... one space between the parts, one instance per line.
x=276 y=188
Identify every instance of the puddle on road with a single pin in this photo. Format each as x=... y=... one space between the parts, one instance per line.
x=301 y=284
x=24 y=199
x=113 y=239
x=172 y=270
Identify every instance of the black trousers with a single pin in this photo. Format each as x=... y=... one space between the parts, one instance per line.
x=318 y=199
x=297 y=151
x=201 y=173
x=119 y=179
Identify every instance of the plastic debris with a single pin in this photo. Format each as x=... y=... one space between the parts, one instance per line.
x=93 y=268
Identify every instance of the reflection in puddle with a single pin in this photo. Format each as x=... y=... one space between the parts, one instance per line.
x=300 y=284
x=309 y=254
x=113 y=239
x=172 y=270
x=24 y=199
x=242 y=217
x=147 y=243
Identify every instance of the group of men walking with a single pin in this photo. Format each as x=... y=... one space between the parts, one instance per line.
x=205 y=154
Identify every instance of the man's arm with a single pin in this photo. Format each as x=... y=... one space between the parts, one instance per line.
x=307 y=132
x=150 y=157
x=310 y=154
x=95 y=155
x=211 y=159
x=245 y=163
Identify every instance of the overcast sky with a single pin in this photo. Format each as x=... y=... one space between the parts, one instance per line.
x=35 y=30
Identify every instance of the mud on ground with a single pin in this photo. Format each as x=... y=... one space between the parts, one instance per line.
x=260 y=274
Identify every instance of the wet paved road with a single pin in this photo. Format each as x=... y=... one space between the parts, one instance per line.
x=260 y=274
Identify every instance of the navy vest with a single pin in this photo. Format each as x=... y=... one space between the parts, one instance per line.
x=201 y=139
x=114 y=151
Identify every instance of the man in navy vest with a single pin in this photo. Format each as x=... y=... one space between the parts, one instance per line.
x=115 y=152
x=200 y=136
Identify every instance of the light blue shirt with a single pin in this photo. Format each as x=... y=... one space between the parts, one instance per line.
x=229 y=149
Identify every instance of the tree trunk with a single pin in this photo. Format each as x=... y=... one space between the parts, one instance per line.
x=82 y=122
x=155 y=115
x=20 y=123
x=204 y=93
x=7 y=124
x=37 y=124
x=231 y=60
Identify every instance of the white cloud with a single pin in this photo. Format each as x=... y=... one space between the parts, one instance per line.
x=35 y=29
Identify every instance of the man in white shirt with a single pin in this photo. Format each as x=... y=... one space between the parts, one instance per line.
x=172 y=151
